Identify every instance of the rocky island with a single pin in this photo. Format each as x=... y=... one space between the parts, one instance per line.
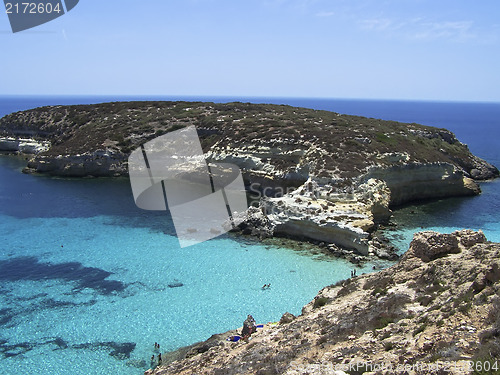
x=437 y=311
x=328 y=178
x=315 y=175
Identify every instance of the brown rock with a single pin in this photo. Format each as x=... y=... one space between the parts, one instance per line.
x=493 y=274
x=469 y=237
x=287 y=318
x=480 y=283
x=432 y=245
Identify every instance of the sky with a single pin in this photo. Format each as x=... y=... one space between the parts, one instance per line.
x=368 y=49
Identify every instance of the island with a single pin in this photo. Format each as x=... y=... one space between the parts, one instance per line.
x=315 y=175
x=323 y=177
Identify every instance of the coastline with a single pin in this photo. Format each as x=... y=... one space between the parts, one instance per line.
x=436 y=307
x=332 y=193
x=278 y=240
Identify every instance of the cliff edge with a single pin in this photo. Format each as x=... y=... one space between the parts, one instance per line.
x=268 y=142
x=436 y=311
x=314 y=175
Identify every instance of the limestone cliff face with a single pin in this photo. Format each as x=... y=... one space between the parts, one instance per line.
x=407 y=180
x=439 y=306
x=418 y=181
x=23 y=145
x=100 y=163
x=258 y=171
x=313 y=213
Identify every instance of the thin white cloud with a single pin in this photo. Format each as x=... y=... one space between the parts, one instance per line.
x=325 y=14
x=420 y=29
x=460 y=31
x=378 y=24
x=303 y=6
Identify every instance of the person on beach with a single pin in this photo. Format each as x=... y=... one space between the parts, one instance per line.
x=249 y=327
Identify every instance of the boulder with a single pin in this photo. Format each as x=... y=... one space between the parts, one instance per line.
x=468 y=237
x=432 y=245
x=493 y=274
x=287 y=318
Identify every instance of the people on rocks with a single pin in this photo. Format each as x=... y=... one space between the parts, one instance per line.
x=249 y=327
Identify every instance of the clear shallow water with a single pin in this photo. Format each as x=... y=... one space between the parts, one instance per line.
x=83 y=272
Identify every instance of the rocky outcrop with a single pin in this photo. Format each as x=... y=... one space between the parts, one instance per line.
x=428 y=246
x=100 y=163
x=419 y=181
x=23 y=145
x=312 y=212
x=436 y=311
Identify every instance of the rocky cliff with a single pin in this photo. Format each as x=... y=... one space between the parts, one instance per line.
x=435 y=312
x=274 y=145
x=23 y=145
x=319 y=175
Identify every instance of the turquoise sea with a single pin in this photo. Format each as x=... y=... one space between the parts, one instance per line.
x=88 y=282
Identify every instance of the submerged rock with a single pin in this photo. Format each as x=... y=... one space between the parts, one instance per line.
x=176 y=284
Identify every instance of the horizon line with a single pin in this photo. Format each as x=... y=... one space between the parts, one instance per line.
x=234 y=98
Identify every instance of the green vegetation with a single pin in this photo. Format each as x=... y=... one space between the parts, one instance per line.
x=421 y=328
x=321 y=301
x=464 y=302
x=384 y=138
x=380 y=291
x=383 y=321
x=347 y=144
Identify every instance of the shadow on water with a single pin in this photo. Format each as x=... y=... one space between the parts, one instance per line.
x=461 y=212
x=28 y=268
x=120 y=351
x=27 y=196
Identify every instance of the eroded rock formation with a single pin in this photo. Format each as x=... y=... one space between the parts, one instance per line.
x=319 y=175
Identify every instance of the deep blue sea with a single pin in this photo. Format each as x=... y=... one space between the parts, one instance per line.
x=88 y=282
